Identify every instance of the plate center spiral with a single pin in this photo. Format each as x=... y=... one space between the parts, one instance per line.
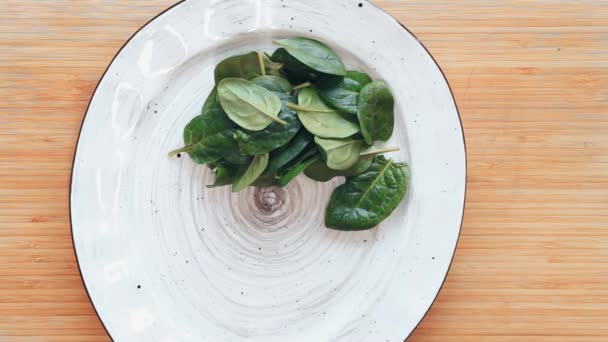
x=269 y=200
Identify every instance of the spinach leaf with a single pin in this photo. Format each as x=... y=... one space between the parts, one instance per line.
x=244 y=66
x=290 y=175
x=294 y=168
x=275 y=84
x=286 y=154
x=375 y=112
x=367 y=199
x=281 y=158
x=359 y=77
x=313 y=54
x=342 y=92
x=225 y=173
x=321 y=120
x=295 y=71
x=255 y=170
x=340 y=154
x=271 y=138
x=266 y=180
x=209 y=137
x=320 y=172
x=272 y=68
x=247 y=104
x=222 y=177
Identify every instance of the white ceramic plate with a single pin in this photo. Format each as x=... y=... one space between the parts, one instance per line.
x=165 y=259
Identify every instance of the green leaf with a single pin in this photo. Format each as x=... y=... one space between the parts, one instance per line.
x=272 y=68
x=314 y=54
x=247 y=104
x=209 y=137
x=342 y=92
x=375 y=110
x=225 y=173
x=367 y=199
x=293 y=169
x=320 y=172
x=275 y=84
x=321 y=120
x=244 y=66
x=340 y=154
x=290 y=175
x=256 y=168
x=295 y=71
x=271 y=138
x=282 y=157
x=360 y=78
x=222 y=177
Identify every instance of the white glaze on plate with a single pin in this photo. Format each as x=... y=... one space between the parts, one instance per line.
x=258 y=265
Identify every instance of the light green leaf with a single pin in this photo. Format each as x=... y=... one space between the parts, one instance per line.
x=340 y=154
x=321 y=120
x=256 y=168
x=275 y=84
x=247 y=104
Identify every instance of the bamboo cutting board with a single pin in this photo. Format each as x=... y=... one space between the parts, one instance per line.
x=531 y=82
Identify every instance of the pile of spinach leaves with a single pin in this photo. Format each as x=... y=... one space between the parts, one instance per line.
x=272 y=117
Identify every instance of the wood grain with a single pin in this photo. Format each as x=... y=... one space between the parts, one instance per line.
x=531 y=82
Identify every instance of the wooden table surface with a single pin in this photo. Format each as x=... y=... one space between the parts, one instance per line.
x=530 y=79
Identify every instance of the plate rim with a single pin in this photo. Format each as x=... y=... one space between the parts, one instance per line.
x=103 y=75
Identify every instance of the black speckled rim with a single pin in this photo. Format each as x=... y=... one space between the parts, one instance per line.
x=165 y=11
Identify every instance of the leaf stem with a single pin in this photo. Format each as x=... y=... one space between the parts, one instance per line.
x=278 y=120
x=304 y=109
x=262 y=66
x=381 y=151
x=303 y=85
x=180 y=150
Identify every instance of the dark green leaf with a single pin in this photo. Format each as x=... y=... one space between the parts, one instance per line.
x=271 y=138
x=340 y=154
x=244 y=66
x=375 y=110
x=282 y=157
x=321 y=120
x=320 y=172
x=367 y=199
x=210 y=136
x=247 y=104
x=225 y=173
x=361 y=80
x=290 y=175
x=295 y=71
x=342 y=92
x=313 y=54
x=294 y=168
x=265 y=180
x=275 y=84
x=255 y=170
